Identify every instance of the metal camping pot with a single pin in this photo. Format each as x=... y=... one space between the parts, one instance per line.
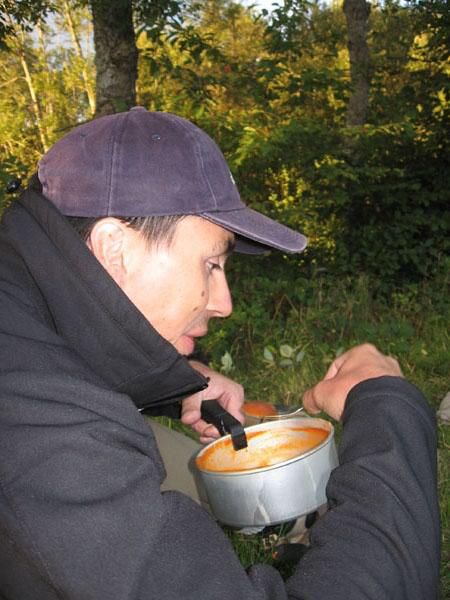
x=279 y=488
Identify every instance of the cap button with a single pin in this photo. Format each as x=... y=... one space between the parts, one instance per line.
x=138 y=108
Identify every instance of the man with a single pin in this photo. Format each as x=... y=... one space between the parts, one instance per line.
x=98 y=325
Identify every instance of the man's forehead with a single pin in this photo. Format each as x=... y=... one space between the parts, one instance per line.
x=211 y=237
x=221 y=240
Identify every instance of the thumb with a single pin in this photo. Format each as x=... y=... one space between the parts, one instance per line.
x=326 y=396
x=309 y=401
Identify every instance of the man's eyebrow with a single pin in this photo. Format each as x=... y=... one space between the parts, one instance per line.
x=231 y=245
x=225 y=247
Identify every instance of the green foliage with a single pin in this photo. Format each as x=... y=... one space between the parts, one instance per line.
x=284 y=356
x=24 y=13
x=313 y=320
x=397 y=224
x=29 y=126
x=226 y=363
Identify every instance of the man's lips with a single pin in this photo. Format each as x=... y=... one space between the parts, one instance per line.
x=188 y=345
x=190 y=338
x=196 y=334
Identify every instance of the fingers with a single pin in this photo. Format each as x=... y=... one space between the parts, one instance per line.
x=226 y=391
x=354 y=366
x=332 y=369
x=191 y=415
x=329 y=396
x=310 y=403
x=209 y=434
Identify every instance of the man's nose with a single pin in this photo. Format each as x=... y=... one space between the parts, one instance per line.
x=220 y=303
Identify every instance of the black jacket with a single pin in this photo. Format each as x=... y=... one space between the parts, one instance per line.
x=81 y=512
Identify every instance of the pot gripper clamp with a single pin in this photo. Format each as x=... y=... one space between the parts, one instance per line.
x=212 y=412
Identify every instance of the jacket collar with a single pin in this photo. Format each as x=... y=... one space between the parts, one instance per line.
x=92 y=314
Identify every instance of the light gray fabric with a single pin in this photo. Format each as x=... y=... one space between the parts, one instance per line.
x=178 y=452
x=444 y=408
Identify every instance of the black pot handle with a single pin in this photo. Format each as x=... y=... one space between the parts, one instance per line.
x=212 y=412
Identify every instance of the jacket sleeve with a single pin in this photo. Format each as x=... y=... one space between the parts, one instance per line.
x=172 y=410
x=380 y=537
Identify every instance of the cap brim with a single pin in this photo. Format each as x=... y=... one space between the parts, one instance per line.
x=260 y=233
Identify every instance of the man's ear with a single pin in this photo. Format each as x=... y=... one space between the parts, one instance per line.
x=107 y=242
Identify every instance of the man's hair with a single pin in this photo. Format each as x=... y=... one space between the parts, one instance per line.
x=155 y=230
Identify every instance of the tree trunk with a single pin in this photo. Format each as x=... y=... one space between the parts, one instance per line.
x=357 y=15
x=115 y=55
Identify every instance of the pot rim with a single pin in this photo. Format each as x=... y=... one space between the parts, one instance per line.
x=270 y=425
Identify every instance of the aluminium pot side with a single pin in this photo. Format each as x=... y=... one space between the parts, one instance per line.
x=274 y=494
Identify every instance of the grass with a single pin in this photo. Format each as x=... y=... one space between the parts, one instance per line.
x=317 y=323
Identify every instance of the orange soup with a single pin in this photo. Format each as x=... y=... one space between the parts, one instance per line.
x=265 y=448
x=259 y=409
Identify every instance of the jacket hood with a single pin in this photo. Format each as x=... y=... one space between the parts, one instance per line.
x=89 y=311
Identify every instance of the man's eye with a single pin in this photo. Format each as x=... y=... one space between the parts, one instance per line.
x=213 y=266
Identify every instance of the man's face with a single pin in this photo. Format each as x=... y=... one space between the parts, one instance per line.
x=179 y=286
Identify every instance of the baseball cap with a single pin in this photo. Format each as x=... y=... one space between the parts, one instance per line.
x=140 y=163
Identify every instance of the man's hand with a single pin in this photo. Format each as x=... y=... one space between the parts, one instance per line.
x=228 y=393
x=352 y=367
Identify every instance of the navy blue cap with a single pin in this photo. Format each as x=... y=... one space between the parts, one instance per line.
x=140 y=163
